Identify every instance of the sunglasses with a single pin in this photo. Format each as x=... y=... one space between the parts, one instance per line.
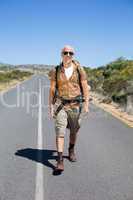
x=68 y=53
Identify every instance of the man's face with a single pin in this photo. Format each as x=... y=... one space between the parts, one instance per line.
x=67 y=55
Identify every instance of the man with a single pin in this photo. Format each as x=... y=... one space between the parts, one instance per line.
x=71 y=82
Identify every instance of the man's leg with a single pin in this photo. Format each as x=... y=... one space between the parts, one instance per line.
x=60 y=143
x=74 y=123
x=60 y=149
x=60 y=126
x=72 y=142
x=73 y=138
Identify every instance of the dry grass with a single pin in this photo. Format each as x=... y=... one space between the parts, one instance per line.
x=8 y=85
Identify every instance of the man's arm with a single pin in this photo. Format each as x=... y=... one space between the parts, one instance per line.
x=85 y=88
x=51 y=96
x=86 y=94
x=51 y=92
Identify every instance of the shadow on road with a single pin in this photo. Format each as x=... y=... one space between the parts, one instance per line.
x=41 y=156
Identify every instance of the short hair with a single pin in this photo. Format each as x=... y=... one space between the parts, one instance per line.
x=67 y=47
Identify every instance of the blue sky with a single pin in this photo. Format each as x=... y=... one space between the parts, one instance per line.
x=34 y=31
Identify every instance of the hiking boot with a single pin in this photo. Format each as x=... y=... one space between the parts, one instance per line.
x=71 y=155
x=60 y=166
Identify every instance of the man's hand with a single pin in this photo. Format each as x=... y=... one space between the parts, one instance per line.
x=85 y=107
x=85 y=110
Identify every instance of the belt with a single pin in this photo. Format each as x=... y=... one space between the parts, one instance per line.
x=77 y=99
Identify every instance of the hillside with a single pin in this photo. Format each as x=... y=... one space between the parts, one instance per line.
x=114 y=83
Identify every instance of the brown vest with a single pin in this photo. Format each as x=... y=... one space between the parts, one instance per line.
x=68 y=88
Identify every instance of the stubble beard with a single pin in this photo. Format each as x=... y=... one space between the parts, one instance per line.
x=67 y=62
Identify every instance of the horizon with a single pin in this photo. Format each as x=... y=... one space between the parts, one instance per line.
x=129 y=59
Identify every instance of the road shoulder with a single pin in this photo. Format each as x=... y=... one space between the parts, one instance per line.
x=112 y=109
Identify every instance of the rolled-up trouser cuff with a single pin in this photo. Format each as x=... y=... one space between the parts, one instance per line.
x=59 y=132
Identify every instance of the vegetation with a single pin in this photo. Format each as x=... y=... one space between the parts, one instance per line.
x=115 y=80
x=13 y=75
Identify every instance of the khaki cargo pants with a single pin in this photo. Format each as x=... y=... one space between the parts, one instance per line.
x=67 y=118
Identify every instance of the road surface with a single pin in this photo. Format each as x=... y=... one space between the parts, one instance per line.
x=104 y=170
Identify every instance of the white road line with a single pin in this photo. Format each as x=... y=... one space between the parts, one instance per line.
x=39 y=193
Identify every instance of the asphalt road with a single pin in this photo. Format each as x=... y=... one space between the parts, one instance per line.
x=104 y=170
